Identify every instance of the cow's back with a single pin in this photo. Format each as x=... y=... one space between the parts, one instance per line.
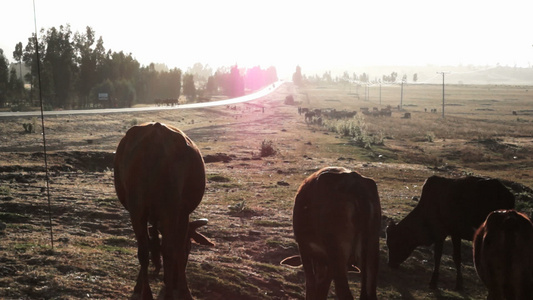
x=459 y=206
x=503 y=247
x=155 y=161
x=325 y=202
x=336 y=221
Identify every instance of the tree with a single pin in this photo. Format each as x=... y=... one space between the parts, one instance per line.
x=124 y=93
x=58 y=67
x=271 y=75
x=105 y=86
x=17 y=55
x=15 y=88
x=297 y=76
x=200 y=72
x=4 y=78
x=189 y=90
x=393 y=76
x=254 y=79
x=415 y=77
x=86 y=60
x=236 y=82
x=364 y=77
x=29 y=57
x=327 y=77
x=211 y=86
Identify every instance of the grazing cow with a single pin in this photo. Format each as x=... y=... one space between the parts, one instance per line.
x=336 y=222
x=160 y=179
x=309 y=116
x=503 y=255
x=453 y=207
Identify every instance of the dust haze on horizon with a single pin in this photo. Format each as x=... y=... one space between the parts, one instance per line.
x=318 y=36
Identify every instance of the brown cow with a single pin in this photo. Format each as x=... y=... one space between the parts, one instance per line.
x=453 y=207
x=503 y=255
x=336 y=222
x=160 y=178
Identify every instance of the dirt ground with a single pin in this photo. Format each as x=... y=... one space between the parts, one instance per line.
x=248 y=203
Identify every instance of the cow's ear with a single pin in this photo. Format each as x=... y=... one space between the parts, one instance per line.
x=197 y=224
x=292 y=261
x=201 y=239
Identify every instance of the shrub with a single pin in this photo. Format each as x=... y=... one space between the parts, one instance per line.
x=356 y=129
x=430 y=137
x=289 y=100
x=267 y=149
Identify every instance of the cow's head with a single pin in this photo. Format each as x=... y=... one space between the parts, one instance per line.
x=400 y=243
x=193 y=235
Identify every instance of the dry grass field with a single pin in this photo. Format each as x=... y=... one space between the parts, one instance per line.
x=249 y=197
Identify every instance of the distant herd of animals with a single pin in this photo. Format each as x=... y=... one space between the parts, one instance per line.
x=160 y=179
x=167 y=102
x=317 y=116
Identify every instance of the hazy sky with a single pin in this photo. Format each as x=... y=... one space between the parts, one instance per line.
x=316 y=35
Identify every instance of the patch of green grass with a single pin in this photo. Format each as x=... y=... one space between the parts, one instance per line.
x=116 y=249
x=5 y=191
x=27 y=227
x=271 y=223
x=269 y=268
x=275 y=243
x=218 y=178
x=9 y=217
x=524 y=203
x=23 y=247
x=107 y=202
x=120 y=242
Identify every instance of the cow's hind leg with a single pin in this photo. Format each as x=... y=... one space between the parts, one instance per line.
x=155 y=249
x=338 y=269
x=317 y=278
x=323 y=282
x=437 y=254
x=369 y=266
x=183 y=256
x=142 y=288
x=456 y=241
x=342 y=289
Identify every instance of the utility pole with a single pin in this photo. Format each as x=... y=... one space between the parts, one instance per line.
x=379 y=92
x=401 y=96
x=442 y=91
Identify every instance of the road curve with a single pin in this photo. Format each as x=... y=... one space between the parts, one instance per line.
x=271 y=88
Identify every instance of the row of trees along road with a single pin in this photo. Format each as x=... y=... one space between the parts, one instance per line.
x=76 y=69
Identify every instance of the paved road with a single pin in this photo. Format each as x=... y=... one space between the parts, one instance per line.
x=271 y=88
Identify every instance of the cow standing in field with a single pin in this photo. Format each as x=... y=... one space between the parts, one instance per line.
x=447 y=207
x=503 y=255
x=160 y=179
x=336 y=222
